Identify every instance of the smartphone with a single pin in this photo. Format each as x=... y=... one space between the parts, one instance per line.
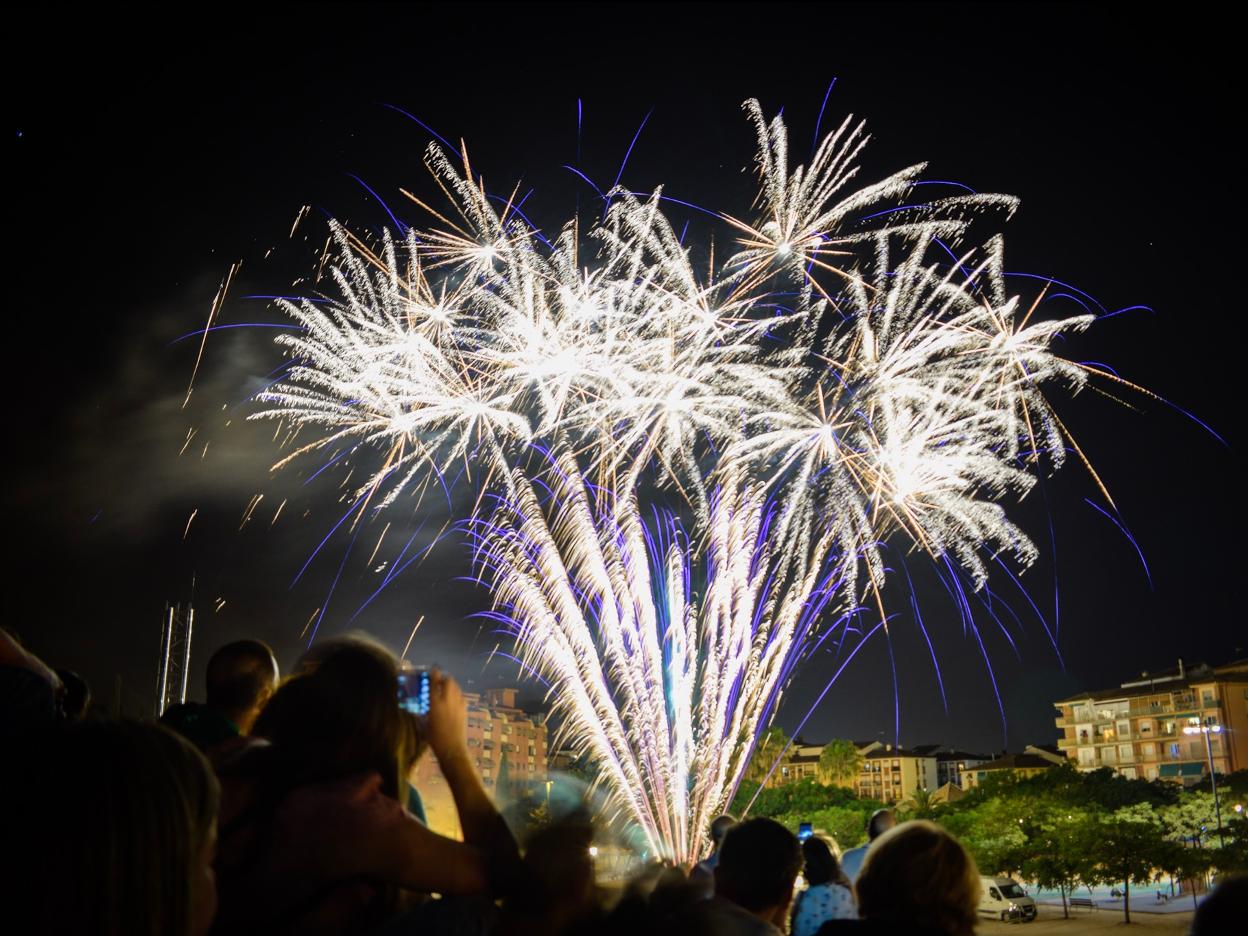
x=805 y=831
x=414 y=691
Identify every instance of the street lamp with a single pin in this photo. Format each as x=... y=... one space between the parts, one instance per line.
x=1197 y=728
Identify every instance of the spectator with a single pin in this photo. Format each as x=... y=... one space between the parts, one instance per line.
x=880 y=822
x=918 y=880
x=314 y=839
x=115 y=836
x=758 y=865
x=75 y=697
x=827 y=895
x=558 y=891
x=1224 y=910
x=28 y=691
x=241 y=678
x=702 y=877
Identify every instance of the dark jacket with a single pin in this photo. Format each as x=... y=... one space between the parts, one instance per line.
x=876 y=928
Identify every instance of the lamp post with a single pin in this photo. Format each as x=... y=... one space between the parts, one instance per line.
x=1197 y=728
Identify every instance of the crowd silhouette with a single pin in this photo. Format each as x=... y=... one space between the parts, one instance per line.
x=283 y=806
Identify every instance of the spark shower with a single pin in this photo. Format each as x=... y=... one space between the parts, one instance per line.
x=688 y=478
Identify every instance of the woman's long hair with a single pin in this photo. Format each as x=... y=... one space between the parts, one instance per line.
x=820 y=865
x=118 y=816
x=919 y=874
x=339 y=717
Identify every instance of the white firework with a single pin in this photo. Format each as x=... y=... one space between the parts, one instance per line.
x=894 y=400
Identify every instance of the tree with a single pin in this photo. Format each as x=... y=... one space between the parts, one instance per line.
x=1186 y=861
x=804 y=796
x=1125 y=846
x=1055 y=853
x=919 y=805
x=769 y=746
x=839 y=761
x=1233 y=856
x=992 y=833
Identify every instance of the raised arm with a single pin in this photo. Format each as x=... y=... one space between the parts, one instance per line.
x=483 y=827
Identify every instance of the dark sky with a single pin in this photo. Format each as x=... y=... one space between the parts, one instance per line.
x=147 y=155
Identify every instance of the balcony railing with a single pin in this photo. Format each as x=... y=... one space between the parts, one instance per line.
x=1151 y=708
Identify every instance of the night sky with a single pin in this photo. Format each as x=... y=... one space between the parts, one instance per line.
x=145 y=158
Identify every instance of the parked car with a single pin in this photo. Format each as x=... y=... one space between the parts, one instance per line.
x=1005 y=900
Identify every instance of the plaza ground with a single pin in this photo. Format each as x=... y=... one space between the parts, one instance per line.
x=1049 y=920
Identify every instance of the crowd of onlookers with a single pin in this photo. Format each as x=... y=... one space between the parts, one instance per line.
x=284 y=806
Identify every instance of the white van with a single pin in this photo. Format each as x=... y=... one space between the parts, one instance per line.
x=1005 y=900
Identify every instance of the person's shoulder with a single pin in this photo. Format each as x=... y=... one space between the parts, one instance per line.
x=726 y=918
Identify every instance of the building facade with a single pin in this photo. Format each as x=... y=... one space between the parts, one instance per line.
x=508 y=745
x=1032 y=761
x=800 y=763
x=891 y=774
x=1137 y=728
x=951 y=765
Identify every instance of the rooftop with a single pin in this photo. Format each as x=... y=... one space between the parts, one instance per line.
x=1168 y=680
x=1017 y=762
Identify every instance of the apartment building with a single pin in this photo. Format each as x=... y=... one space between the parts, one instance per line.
x=800 y=763
x=1137 y=728
x=951 y=764
x=1029 y=763
x=890 y=774
x=509 y=747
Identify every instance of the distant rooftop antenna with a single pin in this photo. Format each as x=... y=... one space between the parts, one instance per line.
x=175 y=655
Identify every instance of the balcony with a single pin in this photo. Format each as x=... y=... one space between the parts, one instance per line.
x=1151 y=708
x=1067 y=744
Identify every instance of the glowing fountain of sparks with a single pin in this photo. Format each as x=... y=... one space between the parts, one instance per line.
x=903 y=400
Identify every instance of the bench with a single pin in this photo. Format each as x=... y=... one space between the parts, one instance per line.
x=1086 y=902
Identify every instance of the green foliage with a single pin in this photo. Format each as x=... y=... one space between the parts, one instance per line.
x=804 y=796
x=1125 y=847
x=1192 y=819
x=918 y=805
x=992 y=829
x=1054 y=855
x=1064 y=828
x=770 y=743
x=831 y=810
x=1233 y=856
x=839 y=761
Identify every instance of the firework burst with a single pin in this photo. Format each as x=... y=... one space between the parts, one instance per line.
x=596 y=380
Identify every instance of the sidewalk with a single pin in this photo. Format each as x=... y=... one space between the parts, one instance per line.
x=1108 y=920
x=1143 y=900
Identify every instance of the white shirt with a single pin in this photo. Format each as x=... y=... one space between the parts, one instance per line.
x=851 y=862
x=820 y=903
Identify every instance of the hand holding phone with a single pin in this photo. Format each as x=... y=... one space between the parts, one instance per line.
x=414 y=691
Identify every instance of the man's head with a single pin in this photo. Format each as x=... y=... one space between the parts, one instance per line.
x=880 y=822
x=241 y=677
x=719 y=828
x=758 y=864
